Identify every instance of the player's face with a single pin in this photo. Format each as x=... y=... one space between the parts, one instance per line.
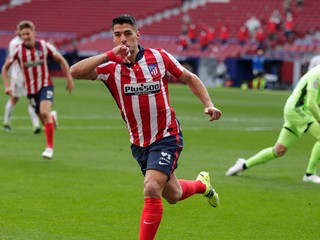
x=125 y=34
x=28 y=36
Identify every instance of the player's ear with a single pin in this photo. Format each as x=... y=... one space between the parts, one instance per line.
x=138 y=34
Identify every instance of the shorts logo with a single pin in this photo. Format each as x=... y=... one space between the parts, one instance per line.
x=141 y=88
x=165 y=159
x=49 y=94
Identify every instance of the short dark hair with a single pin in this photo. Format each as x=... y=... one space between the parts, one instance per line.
x=125 y=18
x=26 y=24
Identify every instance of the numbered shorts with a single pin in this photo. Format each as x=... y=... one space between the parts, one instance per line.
x=161 y=155
x=45 y=93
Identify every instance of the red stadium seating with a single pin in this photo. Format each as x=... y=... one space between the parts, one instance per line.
x=62 y=21
x=78 y=17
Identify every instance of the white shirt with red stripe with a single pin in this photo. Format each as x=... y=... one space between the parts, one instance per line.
x=141 y=93
x=15 y=70
x=34 y=64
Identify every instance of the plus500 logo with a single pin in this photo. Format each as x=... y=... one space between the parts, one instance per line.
x=141 y=88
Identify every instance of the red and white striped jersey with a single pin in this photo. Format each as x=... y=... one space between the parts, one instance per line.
x=34 y=64
x=141 y=93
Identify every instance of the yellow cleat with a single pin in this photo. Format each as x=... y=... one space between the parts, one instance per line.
x=211 y=195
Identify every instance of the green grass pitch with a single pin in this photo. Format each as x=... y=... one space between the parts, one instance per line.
x=92 y=189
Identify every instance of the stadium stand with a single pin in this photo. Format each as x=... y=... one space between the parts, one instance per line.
x=63 y=20
x=86 y=25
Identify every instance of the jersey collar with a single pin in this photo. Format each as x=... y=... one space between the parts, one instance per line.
x=138 y=57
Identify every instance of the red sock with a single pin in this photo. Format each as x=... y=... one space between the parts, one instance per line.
x=150 y=218
x=49 y=131
x=190 y=187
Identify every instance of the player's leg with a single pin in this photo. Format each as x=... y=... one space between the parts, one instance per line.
x=152 y=211
x=310 y=176
x=262 y=82
x=17 y=91
x=175 y=190
x=255 y=83
x=285 y=140
x=34 y=119
x=9 y=107
x=45 y=109
x=157 y=162
x=46 y=99
x=180 y=189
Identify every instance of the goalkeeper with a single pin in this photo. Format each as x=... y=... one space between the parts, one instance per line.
x=301 y=115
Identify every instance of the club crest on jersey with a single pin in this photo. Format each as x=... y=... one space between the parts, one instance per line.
x=141 y=88
x=153 y=69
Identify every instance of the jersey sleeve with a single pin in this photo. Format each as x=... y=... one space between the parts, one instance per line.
x=172 y=64
x=12 y=46
x=104 y=71
x=13 y=55
x=51 y=49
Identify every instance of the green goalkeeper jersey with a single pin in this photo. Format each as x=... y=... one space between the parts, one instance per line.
x=306 y=95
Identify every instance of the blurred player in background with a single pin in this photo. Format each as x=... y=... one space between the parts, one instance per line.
x=17 y=90
x=32 y=56
x=137 y=78
x=314 y=61
x=258 y=70
x=301 y=115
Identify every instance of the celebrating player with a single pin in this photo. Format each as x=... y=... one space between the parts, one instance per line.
x=137 y=78
x=32 y=56
x=301 y=114
x=17 y=90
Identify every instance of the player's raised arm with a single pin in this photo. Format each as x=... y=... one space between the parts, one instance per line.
x=85 y=69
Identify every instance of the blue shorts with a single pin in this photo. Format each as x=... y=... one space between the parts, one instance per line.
x=162 y=155
x=45 y=93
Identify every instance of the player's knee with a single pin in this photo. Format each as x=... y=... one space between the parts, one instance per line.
x=152 y=189
x=279 y=150
x=172 y=201
x=45 y=116
x=173 y=198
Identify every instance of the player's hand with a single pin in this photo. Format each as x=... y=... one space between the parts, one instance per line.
x=70 y=86
x=214 y=113
x=8 y=91
x=119 y=54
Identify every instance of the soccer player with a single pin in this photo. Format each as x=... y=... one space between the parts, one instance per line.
x=16 y=90
x=137 y=78
x=301 y=115
x=258 y=71
x=32 y=56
